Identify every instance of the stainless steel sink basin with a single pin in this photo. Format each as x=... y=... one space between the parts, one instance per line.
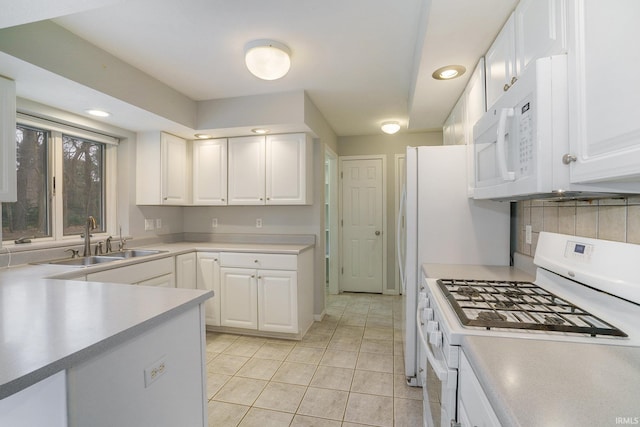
x=99 y=259
x=131 y=253
x=82 y=262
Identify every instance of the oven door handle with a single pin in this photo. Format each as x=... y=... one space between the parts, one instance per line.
x=438 y=367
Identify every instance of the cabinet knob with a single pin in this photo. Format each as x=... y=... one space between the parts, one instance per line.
x=222 y=199
x=255 y=260
x=261 y=198
x=568 y=158
x=377 y=233
x=259 y=277
x=253 y=276
x=513 y=80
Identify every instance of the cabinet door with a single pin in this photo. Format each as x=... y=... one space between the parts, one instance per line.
x=8 y=189
x=287 y=166
x=277 y=301
x=175 y=172
x=448 y=131
x=164 y=281
x=475 y=108
x=210 y=172
x=186 y=271
x=604 y=131
x=246 y=170
x=238 y=298
x=208 y=278
x=540 y=30
x=500 y=63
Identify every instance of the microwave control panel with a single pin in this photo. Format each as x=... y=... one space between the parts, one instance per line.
x=526 y=139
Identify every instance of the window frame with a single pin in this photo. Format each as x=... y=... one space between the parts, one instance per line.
x=56 y=183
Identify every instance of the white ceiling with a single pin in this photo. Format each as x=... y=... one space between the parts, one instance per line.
x=360 y=61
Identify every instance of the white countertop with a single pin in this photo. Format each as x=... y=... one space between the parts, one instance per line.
x=480 y=272
x=535 y=383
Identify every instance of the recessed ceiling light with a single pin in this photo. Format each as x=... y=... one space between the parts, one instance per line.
x=449 y=72
x=98 y=113
x=390 y=127
x=202 y=136
x=267 y=59
x=260 y=131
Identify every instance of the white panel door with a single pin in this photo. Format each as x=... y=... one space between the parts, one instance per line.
x=186 y=271
x=208 y=278
x=210 y=172
x=246 y=170
x=175 y=190
x=238 y=298
x=362 y=214
x=277 y=301
x=500 y=63
x=286 y=169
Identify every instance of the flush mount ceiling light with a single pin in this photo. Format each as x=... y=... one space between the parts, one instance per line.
x=202 y=136
x=260 y=131
x=98 y=113
x=449 y=72
x=267 y=59
x=390 y=127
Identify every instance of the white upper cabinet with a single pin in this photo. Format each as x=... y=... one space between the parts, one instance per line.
x=604 y=130
x=247 y=170
x=475 y=107
x=162 y=169
x=8 y=189
x=454 y=128
x=288 y=169
x=536 y=28
x=272 y=170
x=209 y=172
x=540 y=30
x=500 y=62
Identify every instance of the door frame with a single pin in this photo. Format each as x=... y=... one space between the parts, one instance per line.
x=382 y=157
x=332 y=220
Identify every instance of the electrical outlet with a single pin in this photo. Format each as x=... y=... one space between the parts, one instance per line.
x=158 y=223
x=214 y=222
x=148 y=224
x=155 y=371
x=527 y=234
x=259 y=223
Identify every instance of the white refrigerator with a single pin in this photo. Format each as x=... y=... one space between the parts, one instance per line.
x=443 y=226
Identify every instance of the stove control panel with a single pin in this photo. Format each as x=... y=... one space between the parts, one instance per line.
x=578 y=251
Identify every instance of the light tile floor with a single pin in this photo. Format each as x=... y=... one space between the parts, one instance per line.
x=347 y=371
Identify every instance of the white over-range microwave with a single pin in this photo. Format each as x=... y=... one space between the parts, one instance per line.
x=521 y=143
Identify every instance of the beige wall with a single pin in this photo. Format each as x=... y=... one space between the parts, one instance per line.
x=608 y=219
x=388 y=145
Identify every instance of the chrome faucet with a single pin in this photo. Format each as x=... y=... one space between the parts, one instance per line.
x=89 y=225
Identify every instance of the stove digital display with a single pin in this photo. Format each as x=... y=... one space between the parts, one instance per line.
x=579 y=248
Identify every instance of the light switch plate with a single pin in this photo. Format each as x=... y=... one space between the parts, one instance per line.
x=527 y=234
x=158 y=223
x=259 y=223
x=214 y=222
x=148 y=224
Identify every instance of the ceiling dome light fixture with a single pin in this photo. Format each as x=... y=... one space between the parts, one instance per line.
x=390 y=127
x=260 y=131
x=449 y=72
x=98 y=113
x=267 y=59
x=202 y=136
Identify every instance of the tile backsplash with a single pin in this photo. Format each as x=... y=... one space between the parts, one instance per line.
x=608 y=219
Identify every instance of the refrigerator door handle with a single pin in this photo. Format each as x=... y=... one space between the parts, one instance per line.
x=401 y=212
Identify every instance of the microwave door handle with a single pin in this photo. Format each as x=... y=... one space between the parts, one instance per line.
x=438 y=366
x=500 y=145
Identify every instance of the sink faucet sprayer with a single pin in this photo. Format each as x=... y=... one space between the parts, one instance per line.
x=89 y=225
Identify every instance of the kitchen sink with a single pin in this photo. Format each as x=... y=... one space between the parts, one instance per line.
x=131 y=253
x=100 y=259
x=83 y=261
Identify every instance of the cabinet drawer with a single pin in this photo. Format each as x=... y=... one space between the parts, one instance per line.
x=257 y=260
x=135 y=273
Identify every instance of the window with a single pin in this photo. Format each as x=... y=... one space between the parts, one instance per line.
x=61 y=181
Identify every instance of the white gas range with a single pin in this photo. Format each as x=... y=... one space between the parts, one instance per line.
x=585 y=290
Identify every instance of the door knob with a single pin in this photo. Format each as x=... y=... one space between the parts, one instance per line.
x=377 y=233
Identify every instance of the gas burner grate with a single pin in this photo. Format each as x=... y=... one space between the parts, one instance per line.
x=519 y=305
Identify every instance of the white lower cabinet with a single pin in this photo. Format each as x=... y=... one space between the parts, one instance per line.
x=208 y=278
x=271 y=293
x=474 y=409
x=159 y=272
x=186 y=271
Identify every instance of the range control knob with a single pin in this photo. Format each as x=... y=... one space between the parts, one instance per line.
x=435 y=338
x=427 y=314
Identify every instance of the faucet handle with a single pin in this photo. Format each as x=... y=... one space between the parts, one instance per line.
x=74 y=252
x=98 y=250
